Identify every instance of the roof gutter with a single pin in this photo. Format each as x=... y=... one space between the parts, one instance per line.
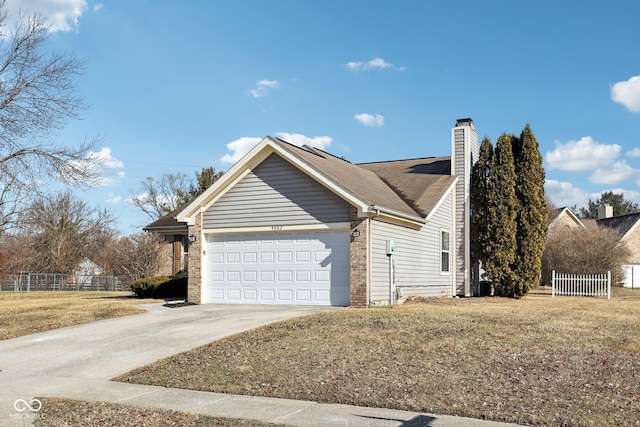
x=377 y=211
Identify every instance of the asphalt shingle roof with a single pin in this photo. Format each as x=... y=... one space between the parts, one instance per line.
x=412 y=186
x=421 y=183
x=622 y=224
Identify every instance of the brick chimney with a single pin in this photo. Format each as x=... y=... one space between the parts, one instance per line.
x=605 y=211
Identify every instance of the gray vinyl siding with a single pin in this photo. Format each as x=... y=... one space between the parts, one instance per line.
x=417 y=257
x=276 y=193
x=459 y=240
x=462 y=168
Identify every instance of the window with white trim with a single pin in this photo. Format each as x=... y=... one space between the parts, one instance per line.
x=445 y=251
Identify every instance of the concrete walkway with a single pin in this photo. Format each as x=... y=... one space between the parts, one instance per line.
x=77 y=362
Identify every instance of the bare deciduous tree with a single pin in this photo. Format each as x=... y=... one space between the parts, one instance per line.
x=136 y=256
x=593 y=250
x=37 y=99
x=158 y=197
x=62 y=230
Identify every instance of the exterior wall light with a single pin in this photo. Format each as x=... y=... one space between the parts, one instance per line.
x=355 y=233
x=192 y=238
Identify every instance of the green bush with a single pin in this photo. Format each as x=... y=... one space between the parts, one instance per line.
x=160 y=287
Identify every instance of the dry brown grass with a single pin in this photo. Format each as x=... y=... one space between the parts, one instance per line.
x=538 y=360
x=72 y=413
x=26 y=313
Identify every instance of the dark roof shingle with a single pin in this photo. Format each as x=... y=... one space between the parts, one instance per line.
x=622 y=224
x=412 y=187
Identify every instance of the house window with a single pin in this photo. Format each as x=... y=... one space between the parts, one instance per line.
x=445 y=251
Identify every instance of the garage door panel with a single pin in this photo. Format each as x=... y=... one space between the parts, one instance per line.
x=285 y=276
x=267 y=257
x=250 y=295
x=321 y=255
x=303 y=296
x=233 y=295
x=250 y=277
x=249 y=257
x=322 y=296
x=267 y=276
x=303 y=276
x=303 y=256
x=322 y=276
x=268 y=295
x=285 y=256
x=296 y=268
x=285 y=295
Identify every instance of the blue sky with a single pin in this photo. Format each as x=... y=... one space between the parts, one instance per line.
x=179 y=86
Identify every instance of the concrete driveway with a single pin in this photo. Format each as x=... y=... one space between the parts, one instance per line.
x=78 y=362
x=43 y=363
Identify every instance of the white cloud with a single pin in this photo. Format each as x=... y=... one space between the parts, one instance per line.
x=238 y=148
x=105 y=159
x=61 y=15
x=114 y=199
x=144 y=198
x=104 y=165
x=633 y=153
x=585 y=154
x=565 y=193
x=615 y=173
x=369 y=120
x=98 y=7
x=320 y=142
x=263 y=87
x=353 y=66
x=627 y=93
x=376 y=63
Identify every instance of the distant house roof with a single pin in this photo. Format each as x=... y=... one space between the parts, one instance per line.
x=553 y=214
x=622 y=224
x=556 y=215
x=87 y=267
x=168 y=224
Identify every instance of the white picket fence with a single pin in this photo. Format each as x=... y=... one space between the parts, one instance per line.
x=592 y=285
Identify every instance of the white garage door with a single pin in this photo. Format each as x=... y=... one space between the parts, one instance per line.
x=295 y=268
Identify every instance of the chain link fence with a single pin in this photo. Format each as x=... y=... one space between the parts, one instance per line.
x=30 y=282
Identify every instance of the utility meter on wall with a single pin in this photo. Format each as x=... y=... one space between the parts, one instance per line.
x=391 y=247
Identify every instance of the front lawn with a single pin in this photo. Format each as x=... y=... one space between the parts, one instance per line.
x=66 y=412
x=538 y=360
x=23 y=313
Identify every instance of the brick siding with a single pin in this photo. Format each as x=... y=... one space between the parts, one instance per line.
x=194 y=281
x=359 y=297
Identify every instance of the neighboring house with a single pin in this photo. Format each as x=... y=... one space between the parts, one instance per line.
x=561 y=219
x=629 y=231
x=174 y=251
x=627 y=227
x=85 y=271
x=297 y=225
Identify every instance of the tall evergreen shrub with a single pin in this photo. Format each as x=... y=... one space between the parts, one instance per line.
x=478 y=193
x=502 y=205
x=532 y=212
